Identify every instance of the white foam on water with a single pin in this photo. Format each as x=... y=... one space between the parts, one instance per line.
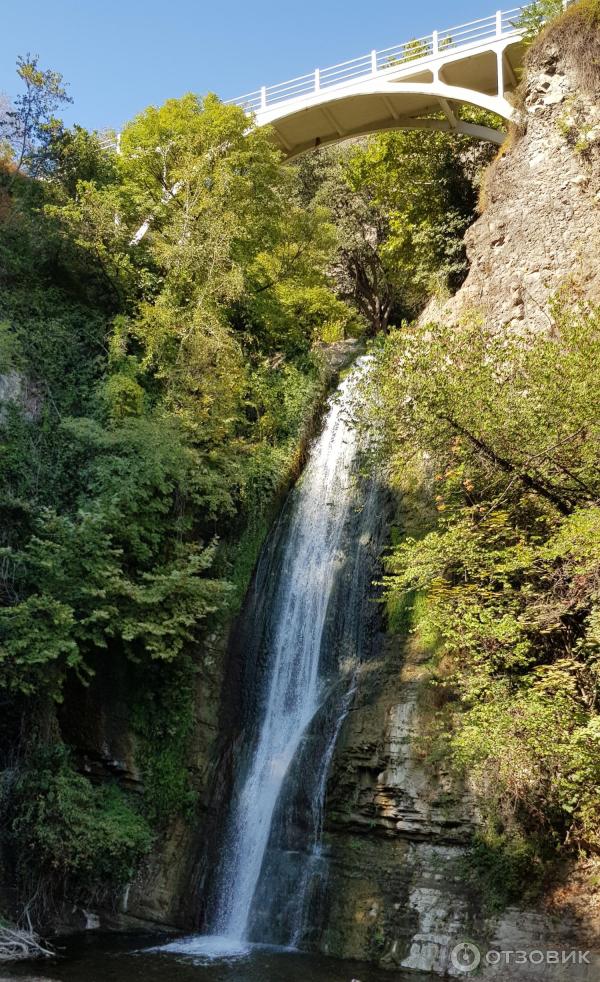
x=206 y=948
x=209 y=948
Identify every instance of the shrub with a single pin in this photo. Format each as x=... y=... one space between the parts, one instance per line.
x=74 y=840
x=505 y=866
x=507 y=569
x=536 y=15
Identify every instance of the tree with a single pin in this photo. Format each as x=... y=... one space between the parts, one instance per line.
x=5 y=148
x=74 y=155
x=425 y=183
x=28 y=127
x=400 y=203
x=361 y=275
x=168 y=384
x=536 y=15
x=183 y=419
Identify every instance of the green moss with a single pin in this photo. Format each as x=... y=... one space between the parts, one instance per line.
x=377 y=943
x=244 y=556
x=399 y=611
x=163 y=717
x=506 y=867
x=408 y=615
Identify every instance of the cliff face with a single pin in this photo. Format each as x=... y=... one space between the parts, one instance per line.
x=540 y=225
x=397 y=828
x=398 y=831
x=97 y=722
x=397 y=825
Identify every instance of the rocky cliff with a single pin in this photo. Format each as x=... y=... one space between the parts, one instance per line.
x=399 y=828
x=398 y=825
x=539 y=229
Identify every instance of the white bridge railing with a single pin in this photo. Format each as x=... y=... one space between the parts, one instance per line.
x=498 y=25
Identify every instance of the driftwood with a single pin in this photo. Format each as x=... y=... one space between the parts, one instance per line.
x=16 y=944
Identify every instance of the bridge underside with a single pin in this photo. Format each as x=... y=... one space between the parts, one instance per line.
x=399 y=99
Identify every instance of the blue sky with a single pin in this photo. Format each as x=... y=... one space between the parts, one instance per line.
x=122 y=55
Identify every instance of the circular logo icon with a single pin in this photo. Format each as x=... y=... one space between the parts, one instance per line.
x=465 y=957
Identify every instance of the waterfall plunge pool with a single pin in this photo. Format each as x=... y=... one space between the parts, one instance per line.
x=97 y=957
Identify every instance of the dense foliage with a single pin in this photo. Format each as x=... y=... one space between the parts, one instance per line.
x=159 y=313
x=157 y=318
x=401 y=204
x=502 y=433
x=68 y=833
x=157 y=414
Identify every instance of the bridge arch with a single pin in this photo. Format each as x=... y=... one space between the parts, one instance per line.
x=378 y=105
x=415 y=85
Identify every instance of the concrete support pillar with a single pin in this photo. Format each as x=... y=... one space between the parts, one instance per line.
x=500 y=62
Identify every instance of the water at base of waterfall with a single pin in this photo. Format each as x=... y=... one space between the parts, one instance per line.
x=207 y=947
x=96 y=957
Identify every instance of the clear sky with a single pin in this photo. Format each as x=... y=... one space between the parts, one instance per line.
x=122 y=55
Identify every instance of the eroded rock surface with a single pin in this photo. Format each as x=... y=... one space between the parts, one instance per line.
x=540 y=226
x=398 y=831
x=397 y=834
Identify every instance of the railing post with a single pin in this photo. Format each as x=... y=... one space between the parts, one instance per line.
x=435 y=43
x=263 y=97
x=317 y=79
x=498 y=23
x=374 y=61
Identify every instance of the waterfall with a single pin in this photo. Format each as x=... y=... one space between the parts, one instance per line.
x=305 y=631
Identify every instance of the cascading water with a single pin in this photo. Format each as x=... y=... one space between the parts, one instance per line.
x=305 y=629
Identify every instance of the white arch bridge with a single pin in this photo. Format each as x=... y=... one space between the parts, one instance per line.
x=414 y=85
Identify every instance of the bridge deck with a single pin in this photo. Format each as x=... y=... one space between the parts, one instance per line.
x=416 y=84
